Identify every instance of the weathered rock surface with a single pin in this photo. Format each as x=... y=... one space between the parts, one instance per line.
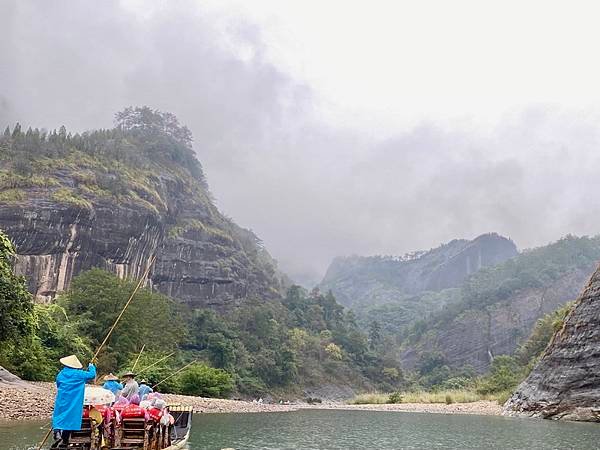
x=358 y=281
x=8 y=378
x=474 y=337
x=564 y=383
x=202 y=258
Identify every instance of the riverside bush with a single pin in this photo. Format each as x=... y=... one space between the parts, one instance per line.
x=205 y=381
x=445 y=396
x=395 y=397
x=374 y=398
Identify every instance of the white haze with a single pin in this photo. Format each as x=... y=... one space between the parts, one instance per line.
x=339 y=128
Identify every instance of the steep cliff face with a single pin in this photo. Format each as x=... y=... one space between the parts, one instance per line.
x=496 y=308
x=366 y=281
x=564 y=383
x=476 y=335
x=74 y=207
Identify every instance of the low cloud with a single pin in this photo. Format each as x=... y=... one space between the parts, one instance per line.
x=311 y=190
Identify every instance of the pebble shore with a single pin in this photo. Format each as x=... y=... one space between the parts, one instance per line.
x=35 y=401
x=482 y=408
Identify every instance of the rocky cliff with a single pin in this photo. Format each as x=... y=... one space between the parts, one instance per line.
x=114 y=199
x=497 y=308
x=361 y=282
x=476 y=335
x=564 y=383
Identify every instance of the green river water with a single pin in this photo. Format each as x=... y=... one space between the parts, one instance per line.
x=319 y=429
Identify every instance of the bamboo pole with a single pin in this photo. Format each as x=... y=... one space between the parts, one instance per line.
x=155 y=363
x=45 y=439
x=138 y=358
x=142 y=279
x=175 y=373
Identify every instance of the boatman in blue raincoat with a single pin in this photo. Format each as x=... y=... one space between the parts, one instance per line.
x=68 y=406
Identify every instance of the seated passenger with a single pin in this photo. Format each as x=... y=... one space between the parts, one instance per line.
x=112 y=384
x=144 y=389
x=134 y=400
x=120 y=403
x=131 y=387
x=157 y=409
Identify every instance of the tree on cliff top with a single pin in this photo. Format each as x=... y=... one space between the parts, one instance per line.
x=152 y=121
x=161 y=134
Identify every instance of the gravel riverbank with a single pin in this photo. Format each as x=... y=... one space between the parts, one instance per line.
x=484 y=407
x=36 y=400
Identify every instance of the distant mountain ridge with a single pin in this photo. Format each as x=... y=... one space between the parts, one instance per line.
x=360 y=282
x=496 y=308
x=468 y=301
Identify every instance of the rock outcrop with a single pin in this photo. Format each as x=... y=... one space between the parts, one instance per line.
x=564 y=383
x=200 y=257
x=114 y=199
x=475 y=336
x=8 y=378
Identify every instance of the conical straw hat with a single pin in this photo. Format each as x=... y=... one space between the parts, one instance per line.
x=71 y=361
x=110 y=377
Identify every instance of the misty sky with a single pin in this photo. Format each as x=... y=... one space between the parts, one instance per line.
x=338 y=127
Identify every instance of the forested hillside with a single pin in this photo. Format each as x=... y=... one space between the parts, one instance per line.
x=497 y=307
x=88 y=213
x=457 y=332
x=397 y=291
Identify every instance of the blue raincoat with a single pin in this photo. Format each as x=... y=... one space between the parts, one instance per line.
x=68 y=406
x=113 y=386
x=144 y=390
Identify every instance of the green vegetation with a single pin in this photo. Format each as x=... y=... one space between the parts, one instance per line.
x=195 y=225
x=95 y=299
x=542 y=333
x=32 y=337
x=491 y=289
x=118 y=164
x=306 y=338
x=255 y=348
x=435 y=382
x=16 y=307
x=70 y=197
x=12 y=196
x=206 y=381
x=532 y=269
x=443 y=396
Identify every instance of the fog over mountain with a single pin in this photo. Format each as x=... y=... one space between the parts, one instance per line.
x=311 y=183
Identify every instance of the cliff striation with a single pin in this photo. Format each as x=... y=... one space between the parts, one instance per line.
x=113 y=199
x=564 y=383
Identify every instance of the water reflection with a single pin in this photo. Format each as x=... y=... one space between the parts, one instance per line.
x=333 y=430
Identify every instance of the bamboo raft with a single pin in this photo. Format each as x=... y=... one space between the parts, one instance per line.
x=134 y=433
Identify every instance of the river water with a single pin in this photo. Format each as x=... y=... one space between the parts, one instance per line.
x=320 y=429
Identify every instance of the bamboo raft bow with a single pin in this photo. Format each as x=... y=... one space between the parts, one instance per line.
x=139 y=285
